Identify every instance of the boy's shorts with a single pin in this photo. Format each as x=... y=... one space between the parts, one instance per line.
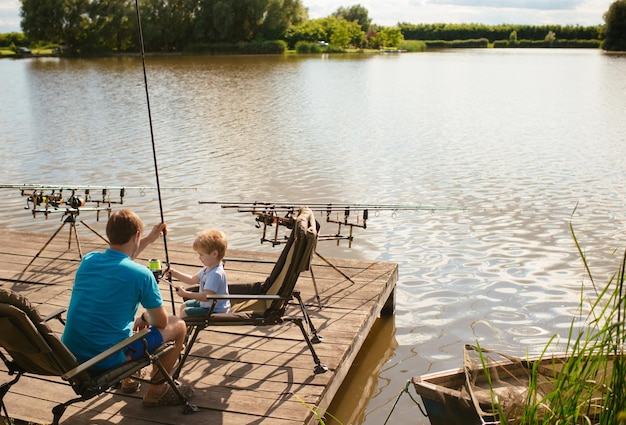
x=136 y=350
x=193 y=308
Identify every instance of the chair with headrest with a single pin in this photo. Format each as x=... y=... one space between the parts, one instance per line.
x=31 y=347
x=264 y=303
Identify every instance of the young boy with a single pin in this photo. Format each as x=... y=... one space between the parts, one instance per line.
x=211 y=248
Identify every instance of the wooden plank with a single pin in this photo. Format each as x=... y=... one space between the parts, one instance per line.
x=240 y=374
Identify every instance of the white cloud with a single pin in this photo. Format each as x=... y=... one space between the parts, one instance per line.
x=9 y=16
x=515 y=4
x=491 y=12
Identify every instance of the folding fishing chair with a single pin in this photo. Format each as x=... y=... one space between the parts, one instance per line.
x=264 y=304
x=33 y=348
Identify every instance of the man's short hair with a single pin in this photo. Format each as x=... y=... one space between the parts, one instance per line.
x=211 y=240
x=122 y=226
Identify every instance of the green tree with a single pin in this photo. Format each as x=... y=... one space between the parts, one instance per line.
x=114 y=22
x=247 y=18
x=203 y=29
x=280 y=16
x=356 y=13
x=340 y=34
x=65 y=22
x=390 y=37
x=178 y=23
x=43 y=20
x=615 y=27
x=167 y=26
x=76 y=29
x=343 y=33
x=313 y=30
x=223 y=19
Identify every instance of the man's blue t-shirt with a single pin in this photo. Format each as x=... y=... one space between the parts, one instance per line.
x=107 y=291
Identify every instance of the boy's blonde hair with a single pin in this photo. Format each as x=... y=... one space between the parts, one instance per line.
x=211 y=240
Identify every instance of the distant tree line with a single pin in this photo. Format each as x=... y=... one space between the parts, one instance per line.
x=450 y=32
x=271 y=26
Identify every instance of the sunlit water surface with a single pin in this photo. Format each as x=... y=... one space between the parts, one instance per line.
x=525 y=142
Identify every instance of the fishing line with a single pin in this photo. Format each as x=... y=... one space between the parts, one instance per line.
x=154 y=155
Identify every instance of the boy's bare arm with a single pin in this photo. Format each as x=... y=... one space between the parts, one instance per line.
x=198 y=296
x=184 y=277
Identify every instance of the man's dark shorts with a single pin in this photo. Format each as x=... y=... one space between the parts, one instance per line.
x=135 y=350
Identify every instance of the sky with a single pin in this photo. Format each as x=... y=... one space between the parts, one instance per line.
x=390 y=12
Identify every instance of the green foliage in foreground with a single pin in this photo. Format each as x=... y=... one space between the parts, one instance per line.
x=591 y=387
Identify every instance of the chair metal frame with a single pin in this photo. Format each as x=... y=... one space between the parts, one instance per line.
x=32 y=348
x=295 y=258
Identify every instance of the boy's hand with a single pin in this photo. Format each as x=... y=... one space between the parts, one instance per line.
x=179 y=289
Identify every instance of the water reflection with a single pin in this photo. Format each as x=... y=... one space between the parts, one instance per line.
x=366 y=378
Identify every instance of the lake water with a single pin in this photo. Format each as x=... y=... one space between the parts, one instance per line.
x=524 y=141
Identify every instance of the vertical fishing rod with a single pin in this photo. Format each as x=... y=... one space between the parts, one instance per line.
x=154 y=155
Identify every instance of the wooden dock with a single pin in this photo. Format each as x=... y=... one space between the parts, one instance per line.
x=241 y=375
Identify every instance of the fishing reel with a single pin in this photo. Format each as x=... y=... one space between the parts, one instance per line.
x=270 y=218
x=344 y=215
x=50 y=199
x=39 y=198
x=75 y=202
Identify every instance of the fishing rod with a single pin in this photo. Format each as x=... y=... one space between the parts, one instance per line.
x=31 y=186
x=154 y=155
x=331 y=205
x=52 y=198
x=48 y=199
x=351 y=215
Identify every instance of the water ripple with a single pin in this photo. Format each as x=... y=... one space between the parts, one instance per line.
x=446 y=129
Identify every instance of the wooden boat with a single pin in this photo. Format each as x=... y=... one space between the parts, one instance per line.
x=473 y=395
x=445 y=399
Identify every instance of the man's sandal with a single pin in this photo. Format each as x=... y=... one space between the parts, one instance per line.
x=130 y=385
x=169 y=397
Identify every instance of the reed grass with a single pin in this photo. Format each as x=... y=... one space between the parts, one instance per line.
x=412 y=46
x=590 y=384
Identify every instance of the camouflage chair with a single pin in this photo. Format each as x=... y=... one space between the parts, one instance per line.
x=264 y=304
x=31 y=347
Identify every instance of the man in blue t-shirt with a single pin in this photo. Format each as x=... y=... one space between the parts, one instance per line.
x=108 y=289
